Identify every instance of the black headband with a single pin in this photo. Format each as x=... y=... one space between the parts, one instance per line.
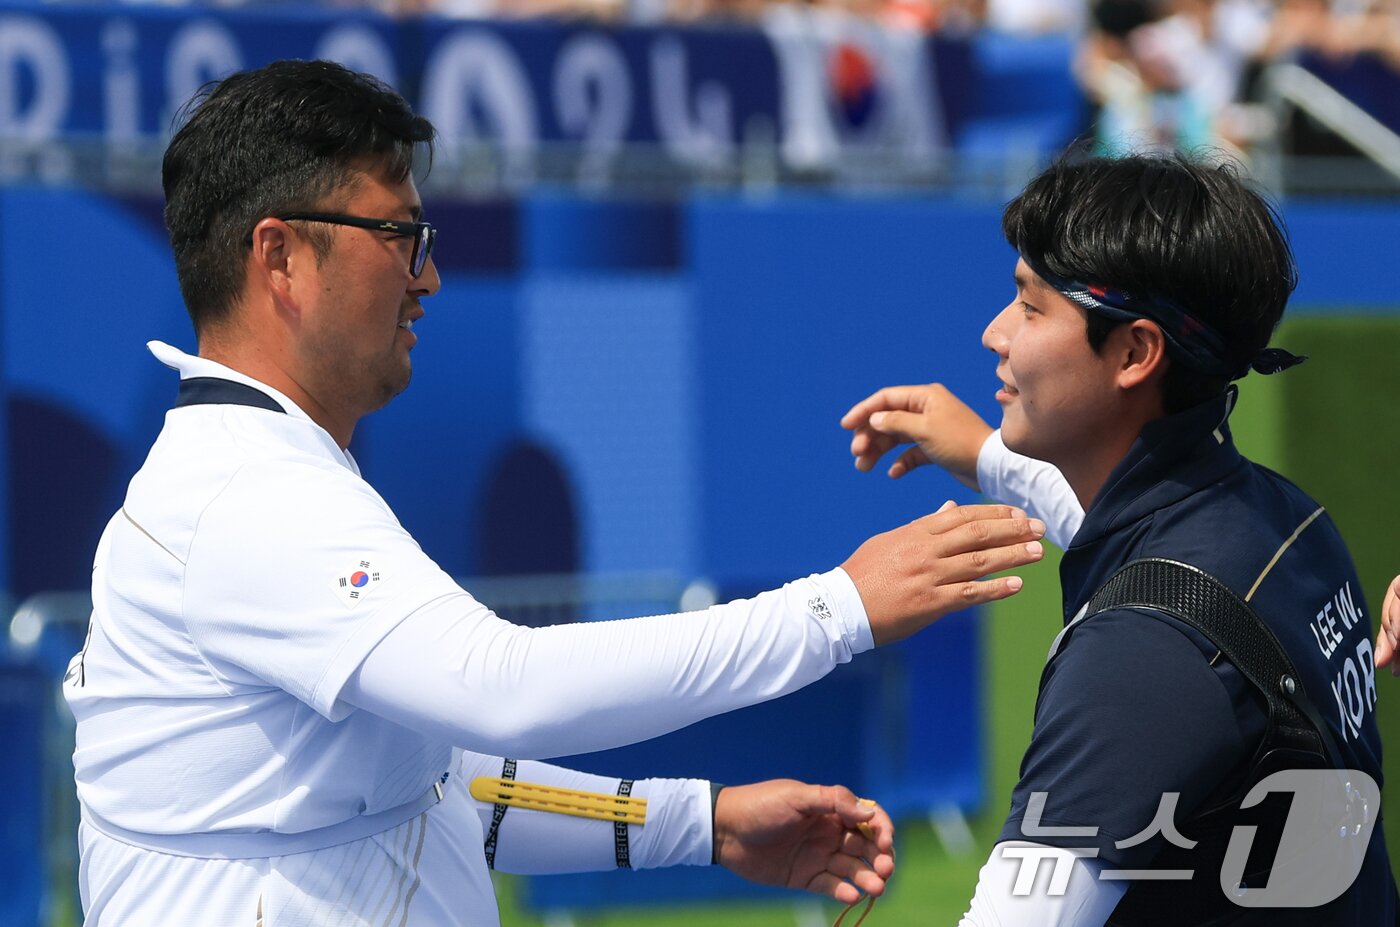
x=1189 y=340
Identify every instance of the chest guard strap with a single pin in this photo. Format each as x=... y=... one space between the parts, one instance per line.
x=1296 y=738
x=1198 y=599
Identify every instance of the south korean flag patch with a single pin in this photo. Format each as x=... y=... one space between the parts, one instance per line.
x=354 y=584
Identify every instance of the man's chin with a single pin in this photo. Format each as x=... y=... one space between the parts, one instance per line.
x=1012 y=432
x=1018 y=441
x=392 y=388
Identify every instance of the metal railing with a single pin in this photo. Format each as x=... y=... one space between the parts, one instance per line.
x=1295 y=85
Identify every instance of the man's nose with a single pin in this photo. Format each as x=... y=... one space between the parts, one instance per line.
x=428 y=282
x=994 y=336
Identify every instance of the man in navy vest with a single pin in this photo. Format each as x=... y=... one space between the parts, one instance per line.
x=1144 y=287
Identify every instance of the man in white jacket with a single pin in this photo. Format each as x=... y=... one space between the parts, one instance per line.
x=283 y=699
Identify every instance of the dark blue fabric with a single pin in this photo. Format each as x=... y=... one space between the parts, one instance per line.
x=201 y=391
x=1131 y=707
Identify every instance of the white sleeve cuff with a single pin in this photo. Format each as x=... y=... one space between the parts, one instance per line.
x=848 y=611
x=679 y=830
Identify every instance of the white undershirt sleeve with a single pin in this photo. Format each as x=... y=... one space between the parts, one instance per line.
x=455 y=671
x=677 y=831
x=1034 y=485
x=1025 y=884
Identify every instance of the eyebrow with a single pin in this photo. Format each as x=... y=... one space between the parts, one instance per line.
x=415 y=212
x=1029 y=283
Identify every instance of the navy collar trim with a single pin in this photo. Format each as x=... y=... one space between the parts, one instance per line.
x=204 y=391
x=1135 y=488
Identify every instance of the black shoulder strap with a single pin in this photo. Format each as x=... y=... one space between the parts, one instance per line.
x=199 y=391
x=1205 y=603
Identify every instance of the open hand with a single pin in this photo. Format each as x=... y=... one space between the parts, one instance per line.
x=789 y=833
x=941 y=427
x=910 y=577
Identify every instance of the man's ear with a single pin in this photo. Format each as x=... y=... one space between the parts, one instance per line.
x=1142 y=349
x=275 y=260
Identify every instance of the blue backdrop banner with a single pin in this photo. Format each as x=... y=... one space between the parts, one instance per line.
x=119 y=76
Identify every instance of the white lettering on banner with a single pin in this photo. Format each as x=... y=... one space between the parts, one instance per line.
x=701 y=134
x=809 y=137
x=593 y=99
x=200 y=52
x=121 y=82
x=476 y=87
x=359 y=48
x=475 y=73
x=29 y=44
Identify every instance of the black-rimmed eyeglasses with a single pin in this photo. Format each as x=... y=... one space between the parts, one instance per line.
x=423 y=234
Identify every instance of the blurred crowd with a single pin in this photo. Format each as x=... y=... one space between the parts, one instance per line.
x=1185 y=73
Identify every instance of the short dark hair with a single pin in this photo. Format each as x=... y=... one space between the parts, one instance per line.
x=1175 y=226
x=278 y=139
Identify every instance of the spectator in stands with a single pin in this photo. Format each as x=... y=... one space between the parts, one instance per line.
x=1337 y=29
x=1132 y=66
x=1168 y=74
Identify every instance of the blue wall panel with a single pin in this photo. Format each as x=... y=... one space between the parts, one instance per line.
x=1346 y=255
x=805 y=306
x=83 y=287
x=609 y=385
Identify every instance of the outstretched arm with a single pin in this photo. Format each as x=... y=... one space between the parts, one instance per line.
x=400 y=639
x=455 y=671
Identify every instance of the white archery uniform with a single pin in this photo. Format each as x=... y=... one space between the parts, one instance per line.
x=278 y=681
